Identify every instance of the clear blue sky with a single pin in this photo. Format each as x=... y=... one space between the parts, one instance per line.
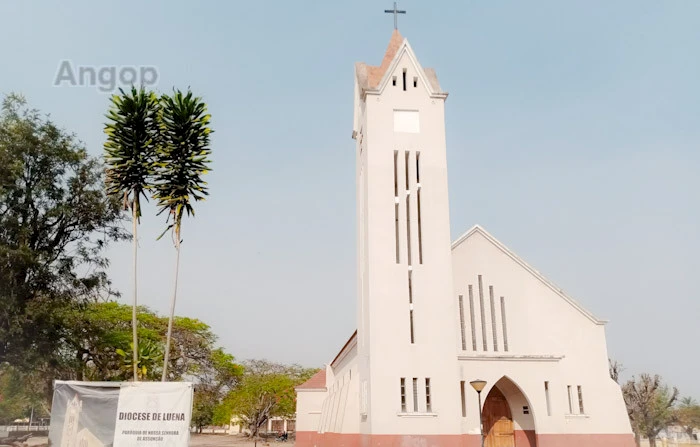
x=573 y=131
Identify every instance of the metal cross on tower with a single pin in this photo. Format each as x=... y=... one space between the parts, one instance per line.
x=396 y=13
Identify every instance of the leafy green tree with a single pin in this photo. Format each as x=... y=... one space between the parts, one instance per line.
x=19 y=396
x=55 y=221
x=216 y=379
x=649 y=405
x=101 y=335
x=182 y=160
x=688 y=415
x=132 y=133
x=203 y=407
x=266 y=390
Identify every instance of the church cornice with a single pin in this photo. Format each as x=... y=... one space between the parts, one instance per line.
x=511 y=358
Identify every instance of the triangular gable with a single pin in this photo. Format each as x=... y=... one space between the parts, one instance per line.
x=405 y=49
x=476 y=229
x=375 y=78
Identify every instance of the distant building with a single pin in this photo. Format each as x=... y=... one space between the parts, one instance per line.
x=273 y=425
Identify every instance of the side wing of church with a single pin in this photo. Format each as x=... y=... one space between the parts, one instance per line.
x=434 y=316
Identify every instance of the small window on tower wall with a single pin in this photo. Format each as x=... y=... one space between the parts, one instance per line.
x=580 y=400
x=415 y=82
x=428 y=403
x=403 y=394
x=393 y=81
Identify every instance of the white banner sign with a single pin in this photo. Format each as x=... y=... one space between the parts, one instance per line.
x=153 y=414
x=126 y=414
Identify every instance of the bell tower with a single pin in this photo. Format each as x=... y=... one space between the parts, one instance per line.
x=406 y=346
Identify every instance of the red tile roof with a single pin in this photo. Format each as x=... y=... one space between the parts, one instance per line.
x=370 y=76
x=377 y=73
x=316 y=382
x=342 y=350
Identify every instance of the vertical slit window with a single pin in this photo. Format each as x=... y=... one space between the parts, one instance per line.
x=420 y=230
x=396 y=206
x=503 y=322
x=580 y=400
x=415 y=81
x=428 y=403
x=471 y=316
x=415 y=394
x=403 y=394
x=396 y=173
x=568 y=393
x=461 y=323
x=464 y=398
x=418 y=211
x=546 y=398
x=417 y=167
x=494 y=329
x=483 y=315
x=404 y=79
x=408 y=229
x=410 y=304
x=393 y=81
x=408 y=212
x=407 y=165
x=396 y=233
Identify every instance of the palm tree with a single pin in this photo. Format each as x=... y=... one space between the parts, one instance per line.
x=181 y=161
x=130 y=148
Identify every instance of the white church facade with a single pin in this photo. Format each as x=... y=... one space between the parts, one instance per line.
x=434 y=315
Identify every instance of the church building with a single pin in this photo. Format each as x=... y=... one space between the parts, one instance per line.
x=438 y=319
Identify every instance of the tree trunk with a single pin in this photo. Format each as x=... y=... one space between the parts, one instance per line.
x=172 y=305
x=638 y=439
x=135 y=359
x=652 y=441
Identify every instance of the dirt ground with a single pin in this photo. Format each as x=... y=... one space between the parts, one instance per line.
x=232 y=440
x=204 y=441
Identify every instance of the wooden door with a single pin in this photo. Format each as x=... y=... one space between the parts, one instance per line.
x=498 y=422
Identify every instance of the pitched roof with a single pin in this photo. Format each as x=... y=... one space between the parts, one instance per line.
x=316 y=382
x=349 y=343
x=370 y=76
x=476 y=229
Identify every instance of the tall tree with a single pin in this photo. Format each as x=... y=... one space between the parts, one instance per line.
x=688 y=415
x=100 y=338
x=182 y=160
x=649 y=405
x=266 y=390
x=132 y=130
x=615 y=368
x=55 y=221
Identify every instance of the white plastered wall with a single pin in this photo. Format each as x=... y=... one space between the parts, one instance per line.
x=550 y=339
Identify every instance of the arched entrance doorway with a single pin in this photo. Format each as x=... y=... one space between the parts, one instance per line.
x=508 y=417
x=498 y=420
